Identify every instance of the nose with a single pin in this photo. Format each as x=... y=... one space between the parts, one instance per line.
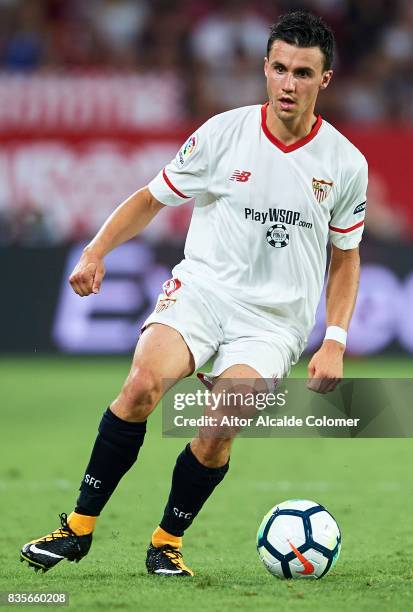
x=289 y=82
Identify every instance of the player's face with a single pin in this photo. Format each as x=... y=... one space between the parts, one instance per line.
x=295 y=75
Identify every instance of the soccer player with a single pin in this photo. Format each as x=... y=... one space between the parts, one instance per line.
x=273 y=184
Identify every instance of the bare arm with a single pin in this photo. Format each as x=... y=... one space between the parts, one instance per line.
x=325 y=370
x=128 y=220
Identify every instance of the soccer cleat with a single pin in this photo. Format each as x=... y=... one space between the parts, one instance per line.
x=63 y=543
x=167 y=561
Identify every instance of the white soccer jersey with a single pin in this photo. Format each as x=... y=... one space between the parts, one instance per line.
x=264 y=211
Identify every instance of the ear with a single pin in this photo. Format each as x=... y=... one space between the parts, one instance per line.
x=327 y=76
x=266 y=66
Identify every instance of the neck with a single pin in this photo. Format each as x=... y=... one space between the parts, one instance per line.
x=292 y=130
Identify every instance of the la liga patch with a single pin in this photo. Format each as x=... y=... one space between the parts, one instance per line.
x=186 y=150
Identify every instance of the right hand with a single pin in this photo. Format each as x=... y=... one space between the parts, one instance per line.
x=88 y=274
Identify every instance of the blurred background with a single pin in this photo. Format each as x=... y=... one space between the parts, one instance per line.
x=96 y=96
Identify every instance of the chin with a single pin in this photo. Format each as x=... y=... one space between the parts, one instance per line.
x=286 y=115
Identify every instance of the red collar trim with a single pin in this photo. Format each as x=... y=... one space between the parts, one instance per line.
x=296 y=145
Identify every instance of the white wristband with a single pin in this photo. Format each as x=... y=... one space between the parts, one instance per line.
x=336 y=333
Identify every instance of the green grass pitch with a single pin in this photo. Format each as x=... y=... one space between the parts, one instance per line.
x=50 y=412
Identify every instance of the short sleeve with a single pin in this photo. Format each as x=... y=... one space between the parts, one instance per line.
x=187 y=175
x=347 y=220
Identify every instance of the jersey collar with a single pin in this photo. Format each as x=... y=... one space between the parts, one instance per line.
x=280 y=145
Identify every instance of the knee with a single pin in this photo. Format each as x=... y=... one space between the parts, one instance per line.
x=139 y=395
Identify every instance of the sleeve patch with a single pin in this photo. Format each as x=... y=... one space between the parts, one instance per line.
x=186 y=150
x=360 y=208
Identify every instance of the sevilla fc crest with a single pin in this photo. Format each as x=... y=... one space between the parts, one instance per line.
x=321 y=189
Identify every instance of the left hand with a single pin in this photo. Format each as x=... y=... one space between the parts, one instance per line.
x=325 y=369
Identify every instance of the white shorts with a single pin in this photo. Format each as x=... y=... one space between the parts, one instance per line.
x=214 y=325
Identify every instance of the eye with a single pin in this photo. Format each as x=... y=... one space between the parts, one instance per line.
x=279 y=69
x=302 y=73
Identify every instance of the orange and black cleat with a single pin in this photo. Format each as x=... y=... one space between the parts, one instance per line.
x=166 y=561
x=63 y=543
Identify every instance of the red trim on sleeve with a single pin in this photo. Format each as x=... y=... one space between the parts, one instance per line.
x=345 y=231
x=174 y=189
x=296 y=145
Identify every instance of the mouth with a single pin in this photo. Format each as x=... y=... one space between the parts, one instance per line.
x=286 y=103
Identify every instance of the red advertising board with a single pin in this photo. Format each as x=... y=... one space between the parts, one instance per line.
x=75 y=145
x=77 y=180
x=388 y=149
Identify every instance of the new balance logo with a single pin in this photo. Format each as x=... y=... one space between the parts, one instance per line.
x=241 y=176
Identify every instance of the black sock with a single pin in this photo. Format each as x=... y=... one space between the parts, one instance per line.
x=192 y=484
x=115 y=451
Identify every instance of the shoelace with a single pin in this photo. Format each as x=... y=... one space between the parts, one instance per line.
x=64 y=530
